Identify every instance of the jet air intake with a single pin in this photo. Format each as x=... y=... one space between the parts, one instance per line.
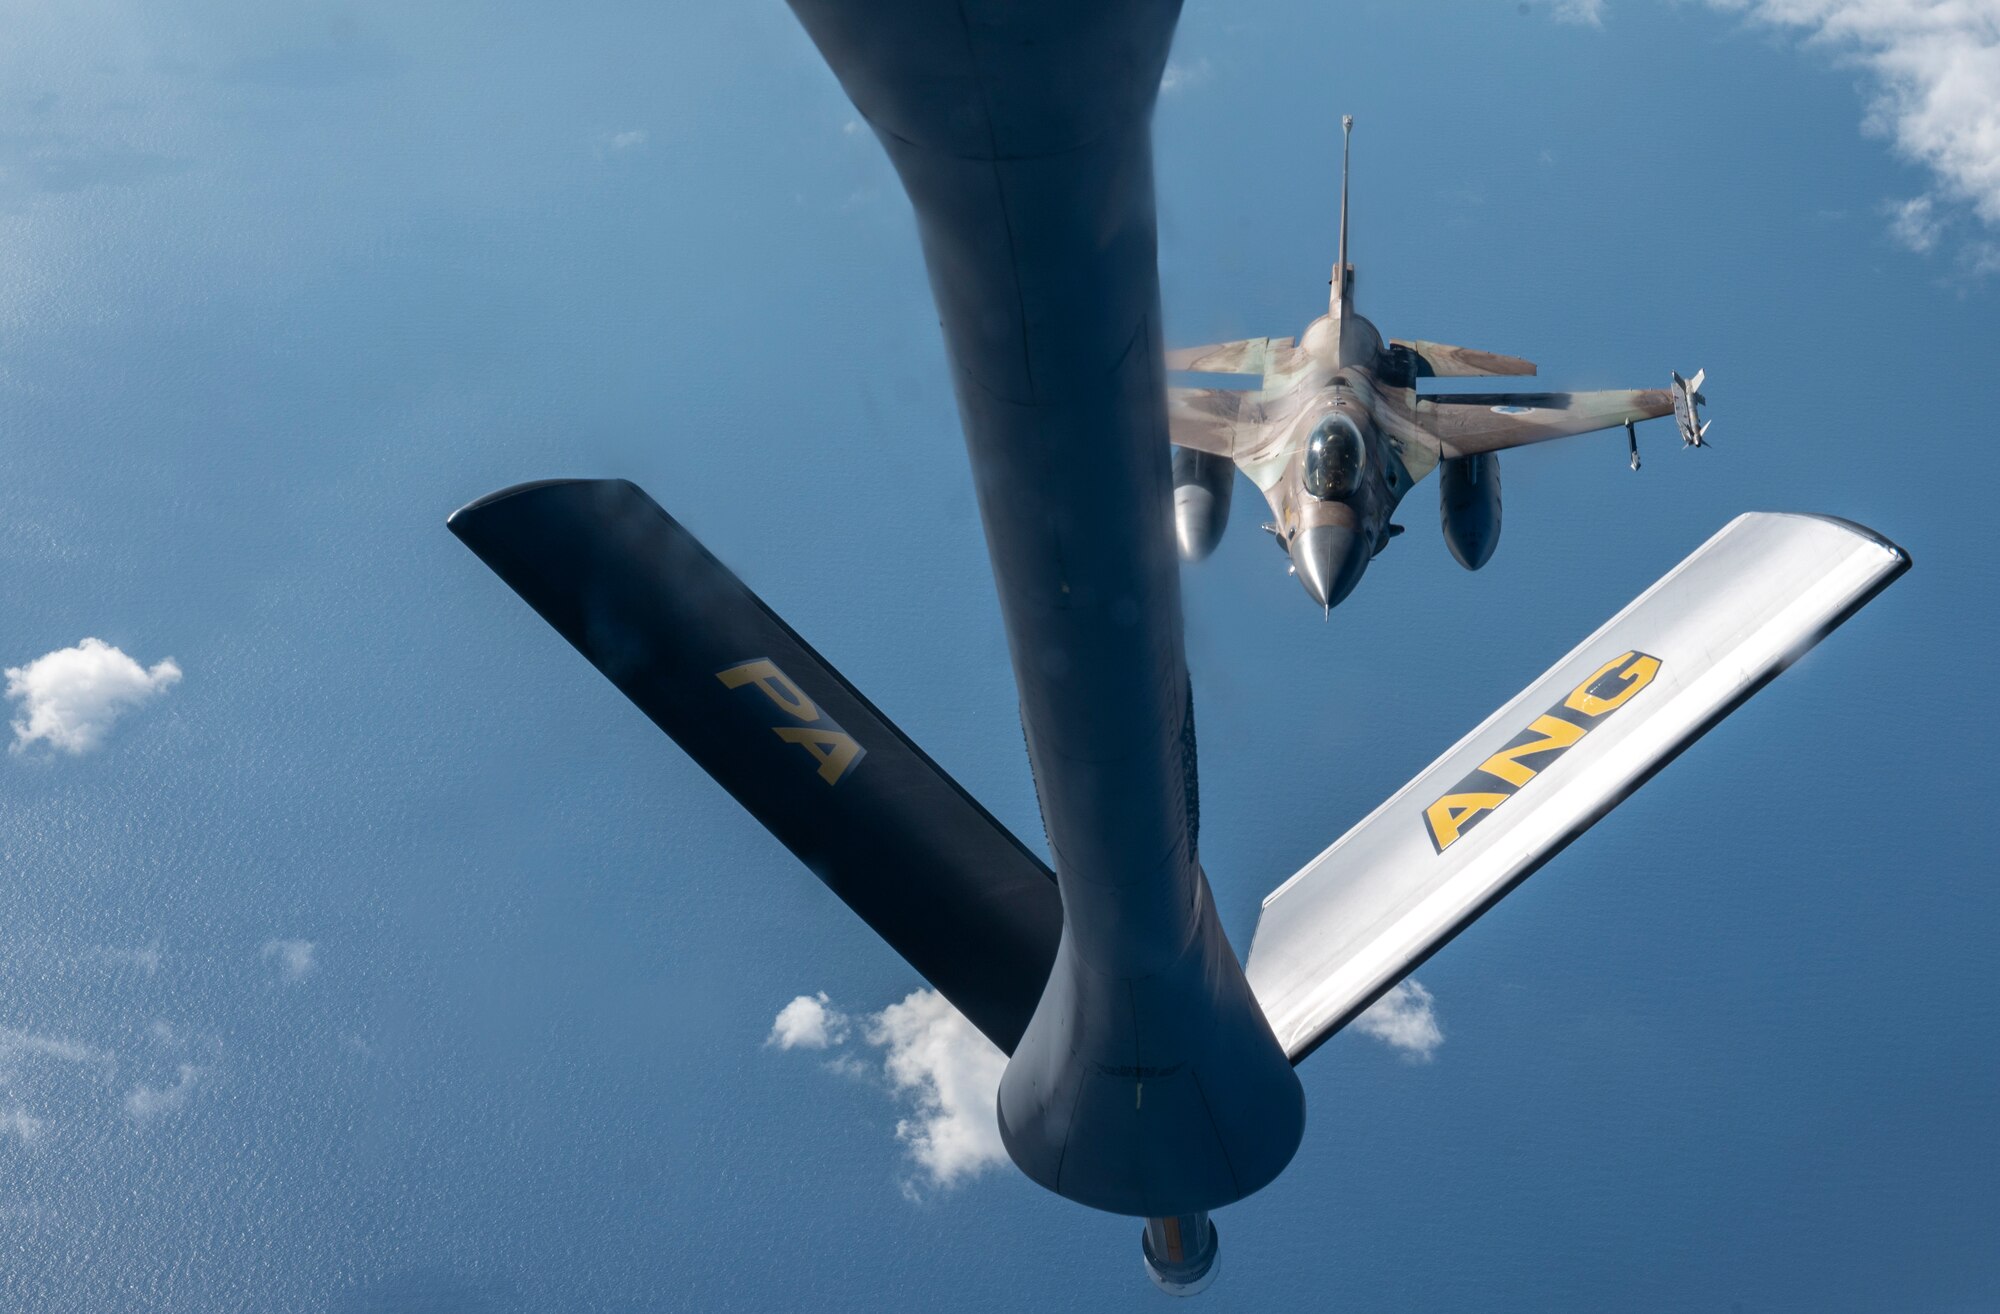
x=1202 y=485
x=1469 y=507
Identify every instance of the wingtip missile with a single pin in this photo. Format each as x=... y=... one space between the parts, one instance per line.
x=1688 y=400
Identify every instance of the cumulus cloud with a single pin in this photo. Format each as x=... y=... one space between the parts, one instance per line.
x=296 y=959
x=71 y=697
x=146 y=960
x=950 y=1073
x=21 y=1123
x=1935 y=94
x=631 y=142
x=808 y=1023
x=934 y=1062
x=1916 y=224
x=1589 y=13
x=145 y=1103
x=1405 y=1019
x=18 y=1044
x=1184 y=76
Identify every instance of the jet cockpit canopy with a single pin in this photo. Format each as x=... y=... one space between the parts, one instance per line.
x=1335 y=456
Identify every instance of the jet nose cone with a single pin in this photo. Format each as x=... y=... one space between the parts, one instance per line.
x=1329 y=559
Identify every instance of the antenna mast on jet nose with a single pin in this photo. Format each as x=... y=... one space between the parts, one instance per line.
x=1343 y=273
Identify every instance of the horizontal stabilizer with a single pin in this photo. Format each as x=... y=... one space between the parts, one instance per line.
x=950 y=889
x=1541 y=771
x=1438 y=360
x=1247 y=356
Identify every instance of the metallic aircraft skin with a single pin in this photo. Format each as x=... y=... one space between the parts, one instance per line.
x=1340 y=378
x=1148 y=1082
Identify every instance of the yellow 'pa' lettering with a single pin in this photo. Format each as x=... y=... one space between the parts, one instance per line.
x=773 y=684
x=1555 y=733
x=1635 y=670
x=1449 y=816
x=835 y=749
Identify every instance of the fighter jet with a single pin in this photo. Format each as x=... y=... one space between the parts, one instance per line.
x=1336 y=435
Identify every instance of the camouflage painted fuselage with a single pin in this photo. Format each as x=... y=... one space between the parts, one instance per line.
x=1335 y=435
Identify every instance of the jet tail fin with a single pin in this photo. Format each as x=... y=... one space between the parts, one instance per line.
x=827 y=774
x=1544 y=768
x=1341 y=301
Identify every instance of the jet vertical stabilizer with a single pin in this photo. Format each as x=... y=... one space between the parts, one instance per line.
x=1340 y=302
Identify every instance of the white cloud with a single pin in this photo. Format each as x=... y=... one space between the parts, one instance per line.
x=296 y=959
x=629 y=140
x=1404 y=1019
x=21 y=1123
x=15 y=1044
x=1935 y=66
x=1915 y=223
x=1184 y=77
x=146 y=960
x=934 y=1061
x=70 y=698
x=1589 y=13
x=145 y=1103
x=950 y=1072
x=807 y=1023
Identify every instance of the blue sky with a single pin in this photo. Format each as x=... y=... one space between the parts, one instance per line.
x=385 y=959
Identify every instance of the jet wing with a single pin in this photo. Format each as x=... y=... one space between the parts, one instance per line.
x=1542 y=770
x=1248 y=356
x=1442 y=361
x=1466 y=424
x=1210 y=419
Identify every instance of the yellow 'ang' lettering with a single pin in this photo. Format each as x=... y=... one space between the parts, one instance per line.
x=773 y=684
x=1555 y=734
x=834 y=749
x=1450 y=815
x=1634 y=671
x=1609 y=688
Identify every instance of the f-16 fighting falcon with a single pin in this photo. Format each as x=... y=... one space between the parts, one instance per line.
x=1336 y=435
x=1151 y=1069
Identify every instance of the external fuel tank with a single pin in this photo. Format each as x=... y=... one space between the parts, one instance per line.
x=1469 y=506
x=1202 y=485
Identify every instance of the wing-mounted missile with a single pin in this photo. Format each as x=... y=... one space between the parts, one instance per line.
x=1544 y=768
x=1688 y=401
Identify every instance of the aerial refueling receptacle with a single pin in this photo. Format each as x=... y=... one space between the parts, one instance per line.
x=1202 y=485
x=1469 y=506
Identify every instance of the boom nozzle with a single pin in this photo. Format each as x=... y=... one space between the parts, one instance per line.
x=1181 y=1253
